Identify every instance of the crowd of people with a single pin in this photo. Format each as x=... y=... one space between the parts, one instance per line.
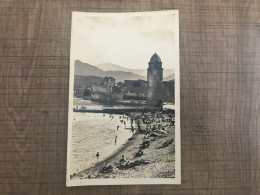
x=150 y=124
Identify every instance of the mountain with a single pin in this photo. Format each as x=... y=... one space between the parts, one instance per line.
x=142 y=72
x=111 y=67
x=121 y=75
x=86 y=69
x=168 y=72
x=168 y=78
x=86 y=81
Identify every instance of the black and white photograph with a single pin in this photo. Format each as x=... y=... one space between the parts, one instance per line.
x=124 y=101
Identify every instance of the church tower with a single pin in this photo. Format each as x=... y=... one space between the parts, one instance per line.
x=154 y=80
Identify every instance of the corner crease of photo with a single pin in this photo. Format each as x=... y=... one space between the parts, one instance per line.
x=124 y=99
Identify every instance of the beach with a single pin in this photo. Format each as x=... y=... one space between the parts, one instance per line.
x=149 y=153
x=95 y=133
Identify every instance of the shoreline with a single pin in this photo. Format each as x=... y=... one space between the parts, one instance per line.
x=113 y=111
x=106 y=161
x=155 y=162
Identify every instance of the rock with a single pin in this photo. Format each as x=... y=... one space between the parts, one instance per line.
x=145 y=144
x=129 y=165
x=154 y=135
x=164 y=145
x=139 y=153
x=106 y=169
x=73 y=175
x=162 y=132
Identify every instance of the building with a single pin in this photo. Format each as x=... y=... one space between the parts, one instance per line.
x=155 y=91
x=106 y=86
x=135 y=90
x=105 y=90
x=154 y=80
x=168 y=91
x=109 y=81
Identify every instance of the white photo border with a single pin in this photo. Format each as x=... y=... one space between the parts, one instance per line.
x=128 y=181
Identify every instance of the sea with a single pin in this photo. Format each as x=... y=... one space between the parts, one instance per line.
x=94 y=133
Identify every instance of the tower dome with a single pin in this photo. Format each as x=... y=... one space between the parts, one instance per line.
x=155 y=58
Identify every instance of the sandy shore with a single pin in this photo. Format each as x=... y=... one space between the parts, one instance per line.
x=150 y=154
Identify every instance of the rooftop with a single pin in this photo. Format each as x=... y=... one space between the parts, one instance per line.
x=155 y=58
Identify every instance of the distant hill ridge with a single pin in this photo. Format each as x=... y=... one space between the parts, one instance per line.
x=142 y=72
x=118 y=72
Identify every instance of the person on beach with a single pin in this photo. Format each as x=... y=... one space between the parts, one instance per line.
x=132 y=129
x=115 y=139
x=117 y=127
x=97 y=155
x=123 y=159
x=147 y=129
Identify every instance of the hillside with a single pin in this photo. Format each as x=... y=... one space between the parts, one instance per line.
x=168 y=78
x=86 y=81
x=142 y=72
x=86 y=69
x=111 y=67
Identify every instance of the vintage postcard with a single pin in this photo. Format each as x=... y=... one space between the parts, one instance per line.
x=124 y=103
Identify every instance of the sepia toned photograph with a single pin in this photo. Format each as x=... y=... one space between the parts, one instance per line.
x=124 y=101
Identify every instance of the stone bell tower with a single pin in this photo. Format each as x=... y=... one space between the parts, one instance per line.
x=154 y=80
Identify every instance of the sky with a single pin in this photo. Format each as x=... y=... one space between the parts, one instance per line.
x=125 y=40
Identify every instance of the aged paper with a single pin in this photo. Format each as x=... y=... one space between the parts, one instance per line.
x=124 y=103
